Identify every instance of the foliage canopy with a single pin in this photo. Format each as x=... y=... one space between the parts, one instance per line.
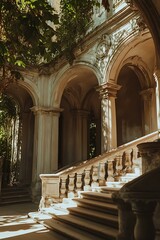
x=32 y=32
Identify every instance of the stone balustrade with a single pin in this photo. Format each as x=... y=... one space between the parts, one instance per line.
x=108 y=167
x=139 y=200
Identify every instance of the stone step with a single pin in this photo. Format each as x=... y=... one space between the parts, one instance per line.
x=14 y=195
x=16 y=201
x=109 y=190
x=100 y=196
x=92 y=216
x=113 y=186
x=97 y=205
x=128 y=177
x=99 y=217
x=92 y=227
x=68 y=231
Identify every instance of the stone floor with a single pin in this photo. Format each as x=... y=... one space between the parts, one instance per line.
x=15 y=224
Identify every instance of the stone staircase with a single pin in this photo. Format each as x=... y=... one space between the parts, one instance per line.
x=91 y=216
x=13 y=195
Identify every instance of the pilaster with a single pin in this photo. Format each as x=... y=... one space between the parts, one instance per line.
x=148 y=99
x=157 y=80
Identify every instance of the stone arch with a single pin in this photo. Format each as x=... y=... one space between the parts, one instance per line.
x=76 y=88
x=135 y=104
x=132 y=51
x=30 y=88
x=66 y=75
x=131 y=54
x=25 y=100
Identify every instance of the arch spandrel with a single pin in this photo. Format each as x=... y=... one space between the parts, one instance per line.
x=132 y=39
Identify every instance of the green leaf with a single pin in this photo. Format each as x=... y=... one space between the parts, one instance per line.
x=20 y=63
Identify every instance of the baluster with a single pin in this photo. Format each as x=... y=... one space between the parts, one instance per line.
x=79 y=183
x=71 y=185
x=95 y=175
x=144 y=228
x=118 y=167
x=110 y=177
x=87 y=178
x=137 y=162
x=128 y=161
x=63 y=187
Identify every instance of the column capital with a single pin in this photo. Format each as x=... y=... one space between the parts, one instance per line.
x=147 y=93
x=108 y=90
x=46 y=110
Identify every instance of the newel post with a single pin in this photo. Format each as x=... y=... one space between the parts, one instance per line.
x=150 y=152
x=126 y=218
x=143 y=193
x=50 y=189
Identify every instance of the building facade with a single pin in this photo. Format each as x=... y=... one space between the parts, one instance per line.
x=107 y=98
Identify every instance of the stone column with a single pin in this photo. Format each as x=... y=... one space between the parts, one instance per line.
x=80 y=138
x=85 y=134
x=25 y=174
x=45 y=154
x=108 y=93
x=148 y=100
x=157 y=80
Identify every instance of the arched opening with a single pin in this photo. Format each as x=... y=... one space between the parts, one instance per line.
x=10 y=140
x=129 y=106
x=18 y=143
x=80 y=120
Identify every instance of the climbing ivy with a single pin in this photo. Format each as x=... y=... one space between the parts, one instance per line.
x=32 y=32
x=75 y=20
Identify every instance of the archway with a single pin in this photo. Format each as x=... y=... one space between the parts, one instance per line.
x=18 y=173
x=129 y=106
x=80 y=121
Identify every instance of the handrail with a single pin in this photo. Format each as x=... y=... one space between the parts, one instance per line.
x=69 y=168
x=110 y=167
